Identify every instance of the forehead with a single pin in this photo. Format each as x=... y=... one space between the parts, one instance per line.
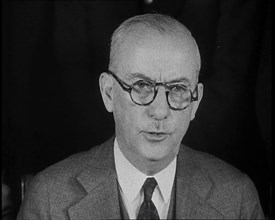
x=159 y=57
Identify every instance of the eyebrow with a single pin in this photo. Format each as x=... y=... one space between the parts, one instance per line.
x=184 y=80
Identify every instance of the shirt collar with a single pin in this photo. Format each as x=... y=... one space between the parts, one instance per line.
x=131 y=179
x=165 y=179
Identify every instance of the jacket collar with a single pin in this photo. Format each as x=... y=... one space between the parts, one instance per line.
x=193 y=188
x=99 y=181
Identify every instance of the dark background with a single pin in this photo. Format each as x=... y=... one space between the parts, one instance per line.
x=54 y=51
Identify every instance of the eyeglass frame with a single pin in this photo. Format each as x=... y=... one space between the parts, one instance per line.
x=128 y=88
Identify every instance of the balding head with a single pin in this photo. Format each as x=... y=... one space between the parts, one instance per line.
x=148 y=26
x=152 y=88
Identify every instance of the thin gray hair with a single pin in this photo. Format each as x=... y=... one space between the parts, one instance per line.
x=161 y=23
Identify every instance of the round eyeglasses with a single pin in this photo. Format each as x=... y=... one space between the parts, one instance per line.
x=144 y=92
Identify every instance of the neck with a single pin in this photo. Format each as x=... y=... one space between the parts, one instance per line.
x=146 y=166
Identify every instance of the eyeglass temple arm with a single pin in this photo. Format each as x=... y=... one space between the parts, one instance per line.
x=123 y=85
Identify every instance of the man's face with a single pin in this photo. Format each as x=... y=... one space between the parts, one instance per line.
x=153 y=132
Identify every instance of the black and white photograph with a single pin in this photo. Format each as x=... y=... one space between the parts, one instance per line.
x=136 y=109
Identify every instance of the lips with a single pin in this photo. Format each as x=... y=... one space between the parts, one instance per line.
x=153 y=136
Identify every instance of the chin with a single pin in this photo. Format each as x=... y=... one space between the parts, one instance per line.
x=154 y=158
x=155 y=155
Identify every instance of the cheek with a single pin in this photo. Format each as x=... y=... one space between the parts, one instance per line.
x=125 y=115
x=181 y=123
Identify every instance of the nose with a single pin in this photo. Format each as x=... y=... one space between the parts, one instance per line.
x=159 y=108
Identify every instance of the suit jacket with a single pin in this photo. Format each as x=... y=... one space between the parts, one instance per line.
x=84 y=186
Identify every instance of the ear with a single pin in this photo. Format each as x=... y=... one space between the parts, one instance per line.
x=195 y=104
x=106 y=89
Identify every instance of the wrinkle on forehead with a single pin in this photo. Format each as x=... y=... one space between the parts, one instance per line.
x=182 y=45
x=134 y=76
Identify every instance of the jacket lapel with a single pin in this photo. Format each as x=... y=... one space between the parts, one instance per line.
x=99 y=181
x=192 y=189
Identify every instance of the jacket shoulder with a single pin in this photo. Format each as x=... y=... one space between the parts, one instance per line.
x=52 y=191
x=74 y=164
x=215 y=168
x=232 y=190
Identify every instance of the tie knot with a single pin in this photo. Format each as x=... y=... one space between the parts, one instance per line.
x=148 y=188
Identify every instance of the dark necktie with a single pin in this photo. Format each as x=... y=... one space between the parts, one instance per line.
x=148 y=209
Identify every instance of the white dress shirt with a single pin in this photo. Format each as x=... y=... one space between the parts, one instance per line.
x=131 y=180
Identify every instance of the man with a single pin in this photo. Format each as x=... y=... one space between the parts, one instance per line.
x=144 y=172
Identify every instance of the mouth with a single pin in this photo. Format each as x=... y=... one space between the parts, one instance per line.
x=155 y=136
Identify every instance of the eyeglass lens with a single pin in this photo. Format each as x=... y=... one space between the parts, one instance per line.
x=144 y=93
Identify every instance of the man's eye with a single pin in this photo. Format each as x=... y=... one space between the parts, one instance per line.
x=142 y=85
x=178 y=88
